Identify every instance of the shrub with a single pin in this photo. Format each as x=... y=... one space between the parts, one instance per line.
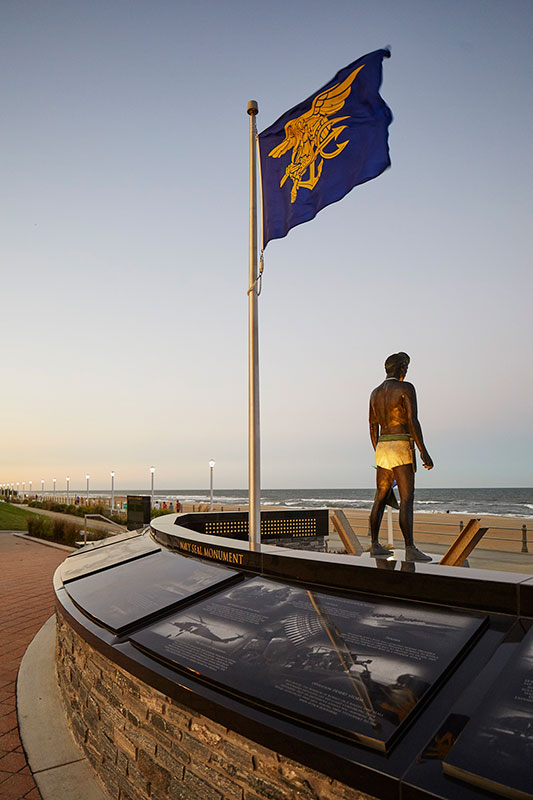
x=78 y=511
x=65 y=532
x=40 y=527
x=159 y=512
x=60 y=530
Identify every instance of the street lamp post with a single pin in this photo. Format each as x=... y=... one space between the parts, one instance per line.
x=152 y=472
x=30 y=487
x=54 y=482
x=68 y=490
x=42 y=487
x=23 y=489
x=112 y=491
x=18 y=485
x=211 y=470
x=87 y=479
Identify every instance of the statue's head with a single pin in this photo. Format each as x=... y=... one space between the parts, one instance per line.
x=396 y=365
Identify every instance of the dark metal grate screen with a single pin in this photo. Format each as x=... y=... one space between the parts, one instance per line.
x=274 y=524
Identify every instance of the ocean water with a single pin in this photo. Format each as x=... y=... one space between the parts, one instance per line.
x=475 y=502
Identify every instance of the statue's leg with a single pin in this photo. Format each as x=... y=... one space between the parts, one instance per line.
x=405 y=480
x=384 y=479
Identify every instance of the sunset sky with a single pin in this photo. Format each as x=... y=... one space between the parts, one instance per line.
x=124 y=243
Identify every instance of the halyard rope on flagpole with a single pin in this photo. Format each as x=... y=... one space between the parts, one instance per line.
x=259 y=279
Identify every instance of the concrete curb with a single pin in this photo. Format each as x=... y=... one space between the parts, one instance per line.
x=60 y=768
x=42 y=541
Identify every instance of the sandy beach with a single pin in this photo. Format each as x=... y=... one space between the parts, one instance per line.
x=504 y=532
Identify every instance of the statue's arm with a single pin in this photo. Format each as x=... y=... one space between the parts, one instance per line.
x=414 y=425
x=373 y=425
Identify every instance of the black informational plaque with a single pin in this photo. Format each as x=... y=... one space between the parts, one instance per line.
x=131 y=593
x=138 y=511
x=98 y=558
x=356 y=668
x=495 y=749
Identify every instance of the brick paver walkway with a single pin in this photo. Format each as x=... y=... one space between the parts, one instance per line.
x=26 y=602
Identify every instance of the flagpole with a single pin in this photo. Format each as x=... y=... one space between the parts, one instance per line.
x=254 y=448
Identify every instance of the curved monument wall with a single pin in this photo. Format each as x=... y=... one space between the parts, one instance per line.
x=192 y=667
x=143 y=744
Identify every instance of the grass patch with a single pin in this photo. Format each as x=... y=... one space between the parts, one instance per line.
x=13 y=518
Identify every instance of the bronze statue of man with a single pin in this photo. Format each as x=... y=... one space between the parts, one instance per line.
x=394 y=430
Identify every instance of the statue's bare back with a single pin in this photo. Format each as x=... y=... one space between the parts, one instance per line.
x=392 y=405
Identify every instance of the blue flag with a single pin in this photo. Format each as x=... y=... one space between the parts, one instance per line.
x=319 y=150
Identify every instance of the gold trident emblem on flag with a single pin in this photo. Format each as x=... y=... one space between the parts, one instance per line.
x=310 y=134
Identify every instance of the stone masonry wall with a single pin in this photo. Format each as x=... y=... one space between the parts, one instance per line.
x=143 y=744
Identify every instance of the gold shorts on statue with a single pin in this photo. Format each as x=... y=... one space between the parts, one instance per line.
x=393 y=454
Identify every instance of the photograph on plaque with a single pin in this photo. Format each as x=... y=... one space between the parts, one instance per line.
x=495 y=749
x=99 y=558
x=132 y=592
x=359 y=669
